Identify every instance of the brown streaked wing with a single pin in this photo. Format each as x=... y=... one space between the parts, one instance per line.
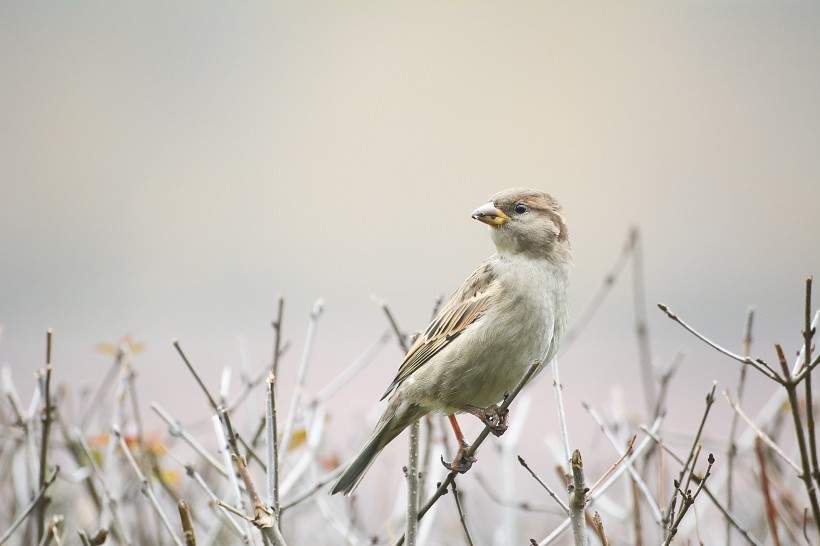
x=462 y=309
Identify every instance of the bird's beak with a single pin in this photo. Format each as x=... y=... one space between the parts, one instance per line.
x=490 y=215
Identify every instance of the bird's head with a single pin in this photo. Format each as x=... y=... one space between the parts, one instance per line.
x=525 y=221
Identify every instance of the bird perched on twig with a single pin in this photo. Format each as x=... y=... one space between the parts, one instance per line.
x=509 y=312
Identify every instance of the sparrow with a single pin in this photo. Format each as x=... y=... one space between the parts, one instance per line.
x=510 y=311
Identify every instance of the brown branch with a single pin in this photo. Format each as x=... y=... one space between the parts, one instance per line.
x=791 y=389
x=45 y=419
x=188 y=534
x=461 y=516
x=808 y=334
x=771 y=511
x=211 y=400
x=598 y=526
x=687 y=500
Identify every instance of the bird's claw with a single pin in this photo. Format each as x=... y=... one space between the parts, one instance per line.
x=493 y=417
x=461 y=463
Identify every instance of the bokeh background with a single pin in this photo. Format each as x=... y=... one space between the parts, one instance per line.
x=168 y=169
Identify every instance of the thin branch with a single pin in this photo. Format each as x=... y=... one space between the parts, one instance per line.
x=598 y=524
x=687 y=500
x=808 y=334
x=771 y=511
x=761 y=434
x=400 y=336
x=600 y=294
x=301 y=374
x=758 y=365
x=188 y=534
x=175 y=430
x=146 y=489
x=442 y=488
x=34 y=502
x=645 y=444
x=351 y=371
x=664 y=380
x=578 y=501
x=639 y=481
x=412 y=475
x=641 y=328
x=211 y=400
x=461 y=516
x=45 y=419
x=731 y=450
x=546 y=487
x=277 y=335
x=562 y=417
x=233 y=525
x=791 y=389
x=726 y=514
x=273 y=447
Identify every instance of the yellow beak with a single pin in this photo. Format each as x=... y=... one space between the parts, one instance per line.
x=490 y=215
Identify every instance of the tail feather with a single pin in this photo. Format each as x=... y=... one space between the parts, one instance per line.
x=385 y=432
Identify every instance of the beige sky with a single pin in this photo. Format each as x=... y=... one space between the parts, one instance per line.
x=166 y=170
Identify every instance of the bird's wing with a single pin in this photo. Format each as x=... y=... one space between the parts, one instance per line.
x=466 y=305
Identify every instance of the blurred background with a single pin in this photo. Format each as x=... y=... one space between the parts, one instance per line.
x=168 y=169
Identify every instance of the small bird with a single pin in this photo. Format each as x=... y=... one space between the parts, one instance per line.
x=509 y=312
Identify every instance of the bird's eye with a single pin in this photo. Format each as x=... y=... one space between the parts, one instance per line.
x=521 y=208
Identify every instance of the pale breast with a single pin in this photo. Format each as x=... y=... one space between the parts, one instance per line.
x=492 y=355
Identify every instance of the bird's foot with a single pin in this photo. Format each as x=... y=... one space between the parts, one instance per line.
x=492 y=416
x=461 y=463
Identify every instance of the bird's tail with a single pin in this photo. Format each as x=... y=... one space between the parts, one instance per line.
x=387 y=429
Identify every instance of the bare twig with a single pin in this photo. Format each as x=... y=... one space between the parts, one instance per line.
x=664 y=380
x=277 y=335
x=351 y=371
x=188 y=534
x=461 y=516
x=45 y=420
x=645 y=444
x=771 y=511
x=761 y=435
x=296 y=399
x=758 y=365
x=599 y=529
x=638 y=480
x=211 y=400
x=34 y=502
x=808 y=334
x=594 y=303
x=175 y=429
x=543 y=484
x=442 y=488
x=731 y=451
x=273 y=447
x=687 y=500
x=726 y=514
x=412 y=475
x=790 y=384
x=578 y=501
x=401 y=337
x=641 y=328
x=562 y=417
x=232 y=524
x=146 y=489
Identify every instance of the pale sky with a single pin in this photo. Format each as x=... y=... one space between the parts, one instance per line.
x=167 y=169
